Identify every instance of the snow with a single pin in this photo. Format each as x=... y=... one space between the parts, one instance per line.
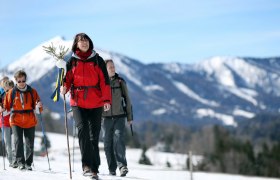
x=226 y=69
x=153 y=87
x=240 y=112
x=55 y=115
x=226 y=119
x=124 y=68
x=46 y=62
x=159 y=111
x=186 y=90
x=60 y=167
x=176 y=68
x=173 y=102
x=216 y=66
x=39 y=58
x=243 y=95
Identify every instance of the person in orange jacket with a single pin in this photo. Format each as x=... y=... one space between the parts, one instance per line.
x=22 y=101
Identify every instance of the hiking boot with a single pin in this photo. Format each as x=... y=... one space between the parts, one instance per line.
x=87 y=171
x=14 y=165
x=29 y=168
x=123 y=171
x=112 y=173
x=94 y=176
x=21 y=167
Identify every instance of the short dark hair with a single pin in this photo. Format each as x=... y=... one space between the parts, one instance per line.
x=81 y=36
x=19 y=74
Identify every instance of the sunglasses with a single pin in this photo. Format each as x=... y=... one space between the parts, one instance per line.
x=21 y=81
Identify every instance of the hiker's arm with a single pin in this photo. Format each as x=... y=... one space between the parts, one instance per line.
x=67 y=83
x=67 y=80
x=63 y=90
x=104 y=82
x=2 y=109
x=38 y=102
x=130 y=122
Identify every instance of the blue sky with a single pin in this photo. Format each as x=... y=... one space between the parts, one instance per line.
x=184 y=31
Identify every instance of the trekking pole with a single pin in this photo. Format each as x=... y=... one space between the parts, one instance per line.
x=131 y=129
x=74 y=135
x=3 y=145
x=66 y=130
x=44 y=135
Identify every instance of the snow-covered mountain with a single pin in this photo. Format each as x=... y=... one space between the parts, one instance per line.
x=220 y=90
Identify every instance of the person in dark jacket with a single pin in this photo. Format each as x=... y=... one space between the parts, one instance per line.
x=89 y=85
x=114 y=122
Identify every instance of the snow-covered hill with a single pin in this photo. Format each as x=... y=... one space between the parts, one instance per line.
x=60 y=167
x=220 y=90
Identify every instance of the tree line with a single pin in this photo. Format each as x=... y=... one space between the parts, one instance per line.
x=253 y=148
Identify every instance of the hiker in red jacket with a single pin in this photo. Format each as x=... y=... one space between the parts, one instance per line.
x=88 y=82
x=7 y=84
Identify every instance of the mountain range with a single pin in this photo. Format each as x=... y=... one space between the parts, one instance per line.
x=218 y=90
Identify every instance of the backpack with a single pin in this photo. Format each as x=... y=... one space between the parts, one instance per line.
x=73 y=62
x=28 y=90
x=121 y=80
x=124 y=102
x=2 y=93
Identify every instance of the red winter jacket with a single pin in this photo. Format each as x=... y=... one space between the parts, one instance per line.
x=5 y=119
x=88 y=82
x=6 y=115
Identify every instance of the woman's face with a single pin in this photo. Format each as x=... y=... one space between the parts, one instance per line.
x=21 y=82
x=83 y=44
x=111 y=69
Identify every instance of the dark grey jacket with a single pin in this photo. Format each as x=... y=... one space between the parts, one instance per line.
x=119 y=96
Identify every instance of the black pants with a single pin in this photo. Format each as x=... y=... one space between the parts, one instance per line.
x=29 y=134
x=88 y=122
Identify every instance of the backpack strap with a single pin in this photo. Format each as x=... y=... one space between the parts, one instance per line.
x=28 y=90
x=13 y=97
x=73 y=62
x=121 y=80
x=124 y=102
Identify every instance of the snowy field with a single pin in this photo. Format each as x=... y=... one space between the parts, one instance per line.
x=60 y=167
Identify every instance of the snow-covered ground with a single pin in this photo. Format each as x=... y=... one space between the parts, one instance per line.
x=58 y=156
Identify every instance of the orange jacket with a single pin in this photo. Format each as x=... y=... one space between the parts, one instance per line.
x=26 y=119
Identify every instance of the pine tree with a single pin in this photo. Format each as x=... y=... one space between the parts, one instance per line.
x=144 y=159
